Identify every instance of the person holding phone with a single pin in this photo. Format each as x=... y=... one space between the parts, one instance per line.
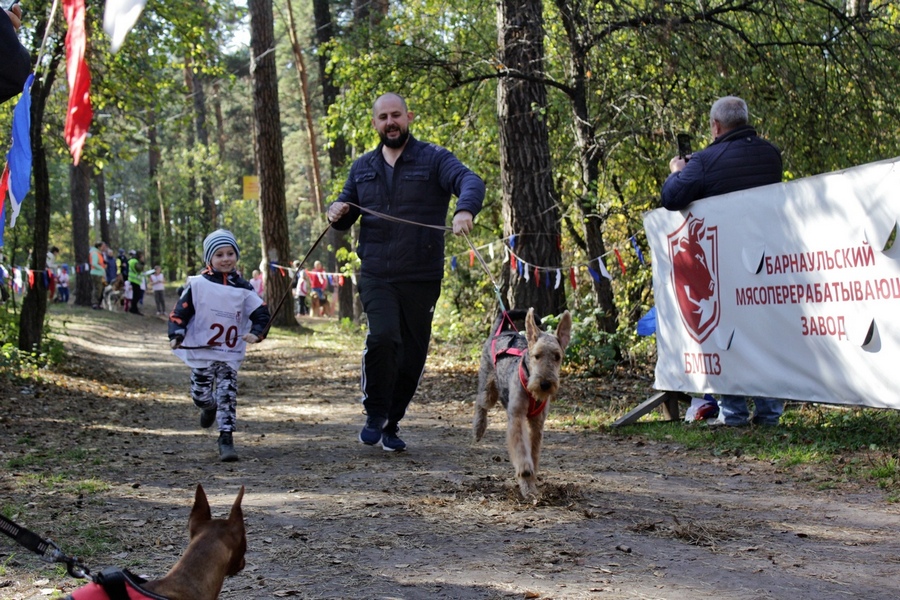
x=737 y=159
x=16 y=58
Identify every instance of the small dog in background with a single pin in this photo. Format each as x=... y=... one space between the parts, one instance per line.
x=522 y=372
x=216 y=550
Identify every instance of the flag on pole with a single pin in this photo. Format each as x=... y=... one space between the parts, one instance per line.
x=118 y=19
x=18 y=159
x=80 y=113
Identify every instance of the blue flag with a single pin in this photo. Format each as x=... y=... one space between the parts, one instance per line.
x=19 y=156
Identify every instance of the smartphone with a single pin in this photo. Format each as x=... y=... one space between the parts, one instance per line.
x=684 y=145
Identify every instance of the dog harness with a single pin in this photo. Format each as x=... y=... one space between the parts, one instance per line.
x=534 y=409
x=114 y=584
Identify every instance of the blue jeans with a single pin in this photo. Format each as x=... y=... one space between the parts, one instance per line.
x=733 y=410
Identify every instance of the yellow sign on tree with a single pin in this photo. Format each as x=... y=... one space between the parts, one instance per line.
x=251 y=187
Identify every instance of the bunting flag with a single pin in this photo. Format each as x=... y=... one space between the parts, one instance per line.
x=512 y=241
x=572 y=277
x=621 y=262
x=637 y=250
x=594 y=274
x=512 y=262
x=603 y=270
x=18 y=159
x=118 y=19
x=471 y=257
x=80 y=113
x=558 y=279
x=453 y=264
x=537 y=277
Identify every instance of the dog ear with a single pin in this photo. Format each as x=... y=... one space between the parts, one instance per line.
x=532 y=331
x=564 y=330
x=237 y=514
x=200 y=514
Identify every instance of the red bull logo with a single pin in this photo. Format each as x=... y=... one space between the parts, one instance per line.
x=693 y=250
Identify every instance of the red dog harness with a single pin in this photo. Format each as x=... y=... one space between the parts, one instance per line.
x=114 y=584
x=534 y=409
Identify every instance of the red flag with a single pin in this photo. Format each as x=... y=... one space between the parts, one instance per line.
x=80 y=113
x=471 y=258
x=621 y=262
x=537 y=277
x=572 y=277
x=512 y=262
x=4 y=184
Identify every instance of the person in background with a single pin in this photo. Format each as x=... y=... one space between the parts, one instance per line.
x=136 y=278
x=215 y=318
x=318 y=282
x=737 y=159
x=158 y=285
x=52 y=256
x=62 y=282
x=257 y=282
x=301 y=289
x=97 y=265
x=402 y=264
x=16 y=58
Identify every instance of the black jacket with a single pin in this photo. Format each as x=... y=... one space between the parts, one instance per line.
x=16 y=60
x=424 y=178
x=737 y=160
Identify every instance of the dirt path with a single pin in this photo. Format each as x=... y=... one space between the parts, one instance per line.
x=328 y=517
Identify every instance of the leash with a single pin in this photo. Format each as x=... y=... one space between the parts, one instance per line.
x=45 y=548
x=288 y=293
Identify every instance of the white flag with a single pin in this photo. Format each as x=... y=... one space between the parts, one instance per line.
x=118 y=19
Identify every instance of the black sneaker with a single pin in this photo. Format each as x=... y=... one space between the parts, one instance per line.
x=391 y=443
x=207 y=417
x=371 y=432
x=226 y=447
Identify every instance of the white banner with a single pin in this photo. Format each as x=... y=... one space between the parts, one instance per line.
x=790 y=290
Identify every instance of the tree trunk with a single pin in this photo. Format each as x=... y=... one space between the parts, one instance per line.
x=34 y=306
x=79 y=190
x=272 y=205
x=337 y=152
x=157 y=212
x=529 y=208
x=300 y=64
x=590 y=153
x=102 y=213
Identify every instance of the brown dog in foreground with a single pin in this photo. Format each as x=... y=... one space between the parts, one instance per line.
x=522 y=372
x=216 y=550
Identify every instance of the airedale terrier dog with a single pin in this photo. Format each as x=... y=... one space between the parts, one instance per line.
x=522 y=372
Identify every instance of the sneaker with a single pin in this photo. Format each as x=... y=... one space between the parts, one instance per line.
x=226 y=447
x=371 y=432
x=207 y=417
x=391 y=443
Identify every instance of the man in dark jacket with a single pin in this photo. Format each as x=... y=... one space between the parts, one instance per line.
x=737 y=159
x=16 y=58
x=409 y=182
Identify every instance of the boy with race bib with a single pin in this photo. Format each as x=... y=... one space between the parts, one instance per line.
x=215 y=318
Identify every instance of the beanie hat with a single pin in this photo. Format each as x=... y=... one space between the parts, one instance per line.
x=217 y=239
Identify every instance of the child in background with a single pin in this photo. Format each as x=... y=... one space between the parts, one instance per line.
x=158 y=284
x=62 y=280
x=127 y=296
x=215 y=317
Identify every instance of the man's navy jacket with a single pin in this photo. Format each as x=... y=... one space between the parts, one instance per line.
x=736 y=160
x=424 y=178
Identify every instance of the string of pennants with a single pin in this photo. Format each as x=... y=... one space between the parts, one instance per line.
x=549 y=276
x=118 y=19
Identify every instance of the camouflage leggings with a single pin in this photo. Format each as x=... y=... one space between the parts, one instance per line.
x=215 y=386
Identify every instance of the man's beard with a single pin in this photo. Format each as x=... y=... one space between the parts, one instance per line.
x=394 y=142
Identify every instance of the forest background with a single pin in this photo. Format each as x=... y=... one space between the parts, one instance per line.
x=568 y=109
